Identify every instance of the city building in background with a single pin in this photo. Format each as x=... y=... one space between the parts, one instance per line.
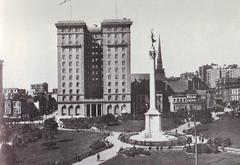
x=94 y=68
x=215 y=74
x=39 y=88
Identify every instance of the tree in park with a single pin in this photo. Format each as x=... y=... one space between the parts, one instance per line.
x=51 y=126
x=189 y=140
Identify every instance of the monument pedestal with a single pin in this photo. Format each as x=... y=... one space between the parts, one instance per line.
x=153 y=126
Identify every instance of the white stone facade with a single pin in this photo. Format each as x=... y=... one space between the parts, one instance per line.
x=91 y=59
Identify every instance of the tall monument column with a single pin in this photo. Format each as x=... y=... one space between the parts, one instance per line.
x=153 y=116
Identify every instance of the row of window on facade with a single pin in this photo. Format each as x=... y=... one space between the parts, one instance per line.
x=116 y=56
x=70 y=70
x=70 y=63
x=116 y=69
x=116 y=77
x=80 y=29
x=70 y=84
x=70 y=50
x=179 y=100
x=110 y=97
x=117 y=49
x=116 y=35
x=116 y=90
x=70 y=91
x=70 y=57
x=71 y=43
x=116 y=83
x=116 y=97
x=70 y=77
x=116 y=62
x=116 y=42
x=117 y=29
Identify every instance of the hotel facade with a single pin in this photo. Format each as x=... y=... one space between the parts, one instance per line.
x=94 y=73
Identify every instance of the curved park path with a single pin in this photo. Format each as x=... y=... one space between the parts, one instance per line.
x=110 y=153
x=106 y=154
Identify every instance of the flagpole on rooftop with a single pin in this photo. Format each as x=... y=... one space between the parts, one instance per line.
x=70 y=9
x=116 y=9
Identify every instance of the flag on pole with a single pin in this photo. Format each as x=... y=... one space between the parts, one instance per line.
x=64 y=2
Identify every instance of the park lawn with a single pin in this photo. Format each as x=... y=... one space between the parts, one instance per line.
x=225 y=128
x=139 y=125
x=69 y=144
x=175 y=158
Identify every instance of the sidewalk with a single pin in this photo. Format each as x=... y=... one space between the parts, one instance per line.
x=184 y=127
x=106 y=154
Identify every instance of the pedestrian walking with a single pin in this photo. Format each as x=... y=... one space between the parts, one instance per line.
x=98 y=157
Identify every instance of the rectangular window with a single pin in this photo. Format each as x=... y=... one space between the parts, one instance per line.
x=116 y=83
x=123 y=83
x=63 y=70
x=109 y=55
x=123 y=90
x=77 y=77
x=109 y=83
x=70 y=77
x=116 y=90
x=116 y=55
x=109 y=77
x=70 y=84
x=63 y=77
x=109 y=90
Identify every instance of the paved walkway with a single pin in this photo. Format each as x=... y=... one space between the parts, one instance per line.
x=184 y=127
x=106 y=154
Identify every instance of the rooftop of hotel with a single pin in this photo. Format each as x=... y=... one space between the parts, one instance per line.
x=70 y=23
x=116 y=21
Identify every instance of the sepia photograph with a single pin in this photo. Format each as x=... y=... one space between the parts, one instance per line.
x=119 y=82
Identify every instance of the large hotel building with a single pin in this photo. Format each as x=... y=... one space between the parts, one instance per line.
x=94 y=74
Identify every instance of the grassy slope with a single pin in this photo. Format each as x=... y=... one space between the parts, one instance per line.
x=76 y=143
x=226 y=127
x=175 y=158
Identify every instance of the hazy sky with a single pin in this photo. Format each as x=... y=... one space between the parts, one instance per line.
x=193 y=32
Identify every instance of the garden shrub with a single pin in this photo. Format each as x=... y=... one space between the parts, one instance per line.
x=214 y=148
x=201 y=148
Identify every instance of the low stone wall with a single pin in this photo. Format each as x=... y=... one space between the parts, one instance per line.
x=230 y=150
x=124 y=138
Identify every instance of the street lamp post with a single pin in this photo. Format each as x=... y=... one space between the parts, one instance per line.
x=195 y=134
